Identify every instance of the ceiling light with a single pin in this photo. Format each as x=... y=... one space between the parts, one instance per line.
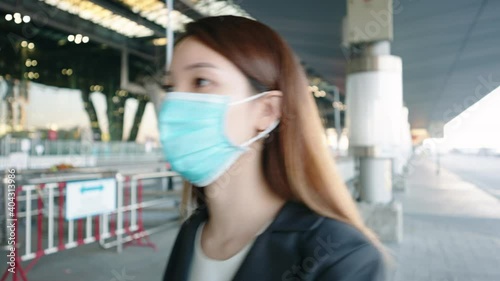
x=88 y=10
x=157 y=12
x=71 y=38
x=160 y=42
x=218 y=8
x=26 y=19
x=8 y=17
x=85 y=39
x=31 y=46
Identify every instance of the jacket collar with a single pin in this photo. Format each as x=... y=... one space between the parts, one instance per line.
x=292 y=217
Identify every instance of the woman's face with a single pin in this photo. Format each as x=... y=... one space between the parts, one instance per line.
x=196 y=68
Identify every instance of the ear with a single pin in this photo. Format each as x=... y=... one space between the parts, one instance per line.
x=270 y=109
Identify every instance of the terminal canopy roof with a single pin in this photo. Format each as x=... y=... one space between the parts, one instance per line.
x=449 y=48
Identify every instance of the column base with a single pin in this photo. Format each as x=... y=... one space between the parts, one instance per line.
x=386 y=220
x=399 y=182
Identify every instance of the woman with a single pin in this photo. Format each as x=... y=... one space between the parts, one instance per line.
x=240 y=125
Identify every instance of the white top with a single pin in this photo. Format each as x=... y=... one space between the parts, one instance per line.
x=204 y=268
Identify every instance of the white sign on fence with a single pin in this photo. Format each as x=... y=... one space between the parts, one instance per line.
x=90 y=197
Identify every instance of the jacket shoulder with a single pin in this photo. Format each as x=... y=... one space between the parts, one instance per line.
x=339 y=251
x=324 y=227
x=342 y=233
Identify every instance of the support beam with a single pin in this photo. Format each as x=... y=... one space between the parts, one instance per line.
x=187 y=9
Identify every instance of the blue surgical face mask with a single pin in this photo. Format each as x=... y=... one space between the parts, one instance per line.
x=192 y=133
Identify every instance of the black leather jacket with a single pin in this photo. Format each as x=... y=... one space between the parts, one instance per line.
x=299 y=245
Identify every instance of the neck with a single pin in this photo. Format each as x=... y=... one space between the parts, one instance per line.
x=241 y=201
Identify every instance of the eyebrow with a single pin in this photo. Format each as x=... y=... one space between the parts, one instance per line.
x=168 y=73
x=200 y=65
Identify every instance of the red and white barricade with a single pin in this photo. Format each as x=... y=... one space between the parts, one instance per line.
x=44 y=201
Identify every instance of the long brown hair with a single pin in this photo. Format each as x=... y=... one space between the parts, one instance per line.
x=296 y=161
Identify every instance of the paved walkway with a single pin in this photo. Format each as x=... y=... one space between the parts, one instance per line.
x=451 y=229
x=92 y=263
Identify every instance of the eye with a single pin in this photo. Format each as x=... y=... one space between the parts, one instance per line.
x=201 y=82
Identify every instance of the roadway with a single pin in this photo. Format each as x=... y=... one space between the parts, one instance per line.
x=482 y=171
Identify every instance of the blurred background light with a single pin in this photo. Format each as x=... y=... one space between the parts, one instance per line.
x=97 y=14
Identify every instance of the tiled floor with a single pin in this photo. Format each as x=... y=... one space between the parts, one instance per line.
x=451 y=228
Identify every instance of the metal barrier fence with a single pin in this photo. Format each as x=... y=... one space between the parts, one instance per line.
x=42 y=200
x=130 y=219
x=74 y=147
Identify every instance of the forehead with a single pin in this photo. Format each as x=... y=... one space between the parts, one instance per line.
x=190 y=52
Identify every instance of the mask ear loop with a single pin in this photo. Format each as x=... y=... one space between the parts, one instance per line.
x=254 y=97
x=261 y=134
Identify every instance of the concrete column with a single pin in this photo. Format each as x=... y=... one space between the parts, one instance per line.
x=374 y=103
x=375 y=180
